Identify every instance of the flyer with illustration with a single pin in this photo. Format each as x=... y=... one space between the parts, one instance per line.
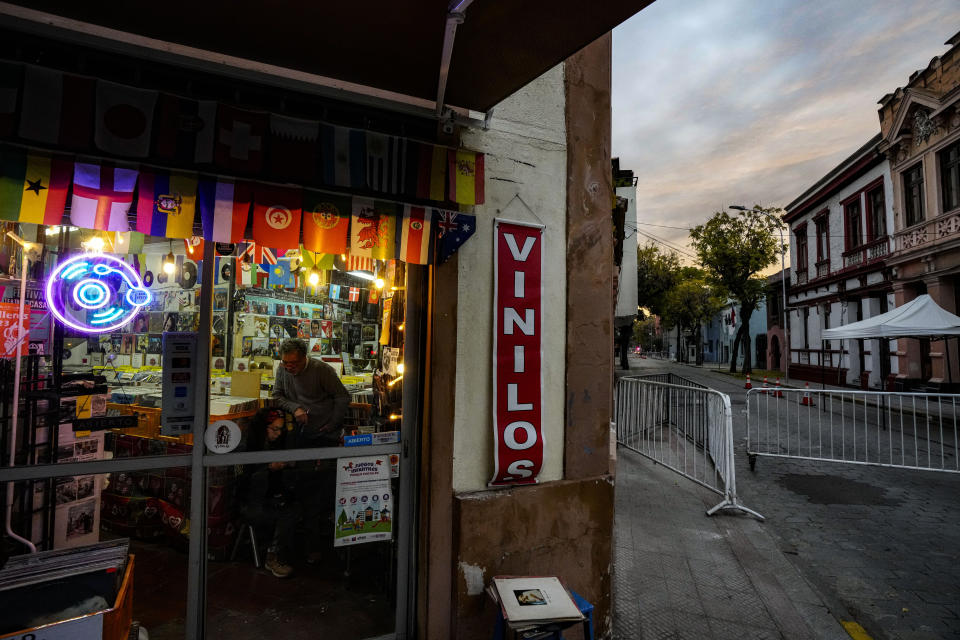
x=364 y=509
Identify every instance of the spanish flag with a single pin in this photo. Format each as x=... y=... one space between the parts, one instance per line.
x=466 y=176
x=33 y=187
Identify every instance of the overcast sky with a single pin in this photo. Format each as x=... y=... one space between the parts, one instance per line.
x=720 y=102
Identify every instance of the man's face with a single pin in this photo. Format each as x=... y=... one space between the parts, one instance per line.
x=293 y=362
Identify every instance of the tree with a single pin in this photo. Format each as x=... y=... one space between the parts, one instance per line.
x=734 y=249
x=690 y=303
x=657 y=272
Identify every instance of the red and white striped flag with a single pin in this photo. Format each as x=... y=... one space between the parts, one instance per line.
x=358 y=263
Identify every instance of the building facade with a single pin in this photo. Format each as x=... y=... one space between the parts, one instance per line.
x=543 y=130
x=920 y=130
x=841 y=242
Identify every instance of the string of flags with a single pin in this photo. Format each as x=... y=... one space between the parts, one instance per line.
x=83 y=115
x=34 y=187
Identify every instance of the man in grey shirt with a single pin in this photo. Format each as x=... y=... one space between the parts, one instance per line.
x=312 y=392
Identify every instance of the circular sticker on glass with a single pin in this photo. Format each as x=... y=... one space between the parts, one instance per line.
x=222 y=436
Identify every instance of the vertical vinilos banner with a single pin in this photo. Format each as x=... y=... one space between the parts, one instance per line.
x=517 y=353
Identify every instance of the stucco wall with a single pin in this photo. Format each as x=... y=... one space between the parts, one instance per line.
x=525 y=149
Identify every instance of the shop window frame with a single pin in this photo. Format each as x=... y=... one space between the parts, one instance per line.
x=199 y=461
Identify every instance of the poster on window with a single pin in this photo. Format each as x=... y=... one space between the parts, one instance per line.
x=10 y=342
x=517 y=352
x=77 y=498
x=364 y=501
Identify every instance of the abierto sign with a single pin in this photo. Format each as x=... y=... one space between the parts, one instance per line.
x=517 y=353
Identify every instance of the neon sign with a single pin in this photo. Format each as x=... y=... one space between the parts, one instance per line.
x=95 y=293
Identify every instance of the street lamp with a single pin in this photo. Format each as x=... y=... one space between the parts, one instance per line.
x=783 y=282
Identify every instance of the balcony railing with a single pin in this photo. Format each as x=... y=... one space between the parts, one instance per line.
x=874 y=250
x=920 y=236
x=823 y=268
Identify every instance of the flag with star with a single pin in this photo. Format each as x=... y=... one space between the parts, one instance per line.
x=276 y=216
x=33 y=186
x=453 y=229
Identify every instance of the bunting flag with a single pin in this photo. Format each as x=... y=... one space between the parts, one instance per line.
x=415 y=235
x=386 y=158
x=281 y=275
x=344 y=156
x=326 y=222
x=358 y=263
x=426 y=171
x=453 y=229
x=276 y=216
x=33 y=186
x=185 y=129
x=102 y=196
x=193 y=247
x=224 y=208
x=57 y=108
x=466 y=176
x=166 y=204
x=239 y=142
x=124 y=119
x=259 y=254
x=245 y=272
x=334 y=292
x=293 y=148
x=129 y=242
x=354 y=295
x=373 y=297
x=11 y=81
x=373 y=229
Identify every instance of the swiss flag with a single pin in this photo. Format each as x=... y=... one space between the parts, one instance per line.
x=276 y=216
x=124 y=119
x=240 y=139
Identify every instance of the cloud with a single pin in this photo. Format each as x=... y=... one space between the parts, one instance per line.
x=753 y=101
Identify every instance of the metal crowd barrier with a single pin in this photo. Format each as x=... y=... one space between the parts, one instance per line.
x=683 y=426
x=905 y=430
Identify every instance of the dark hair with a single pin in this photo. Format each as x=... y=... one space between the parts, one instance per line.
x=293 y=344
x=258 y=428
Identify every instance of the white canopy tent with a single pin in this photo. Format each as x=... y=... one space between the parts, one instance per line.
x=919 y=318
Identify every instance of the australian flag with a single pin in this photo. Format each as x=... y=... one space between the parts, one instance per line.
x=453 y=229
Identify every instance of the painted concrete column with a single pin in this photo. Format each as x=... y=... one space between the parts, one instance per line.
x=941 y=290
x=908 y=350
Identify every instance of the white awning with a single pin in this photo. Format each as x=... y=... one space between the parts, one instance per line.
x=919 y=318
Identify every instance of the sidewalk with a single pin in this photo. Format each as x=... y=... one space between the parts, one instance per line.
x=680 y=574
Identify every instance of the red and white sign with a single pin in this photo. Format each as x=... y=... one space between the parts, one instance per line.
x=10 y=330
x=517 y=351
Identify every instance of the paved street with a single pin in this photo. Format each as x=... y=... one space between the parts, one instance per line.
x=881 y=545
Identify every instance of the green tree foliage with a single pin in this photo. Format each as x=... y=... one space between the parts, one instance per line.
x=657 y=273
x=734 y=249
x=689 y=304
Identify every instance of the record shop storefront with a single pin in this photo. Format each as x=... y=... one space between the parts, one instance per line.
x=180 y=247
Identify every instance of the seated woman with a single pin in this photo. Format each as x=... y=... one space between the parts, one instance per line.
x=267 y=491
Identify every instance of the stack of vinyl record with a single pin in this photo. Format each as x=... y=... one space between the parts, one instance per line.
x=50 y=586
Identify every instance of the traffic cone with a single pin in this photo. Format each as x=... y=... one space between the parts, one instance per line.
x=748 y=385
x=806 y=400
x=765 y=389
x=777 y=393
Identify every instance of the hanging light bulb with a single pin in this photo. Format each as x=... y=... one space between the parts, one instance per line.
x=378 y=283
x=314 y=277
x=95 y=244
x=169 y=264
x=400 y=369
